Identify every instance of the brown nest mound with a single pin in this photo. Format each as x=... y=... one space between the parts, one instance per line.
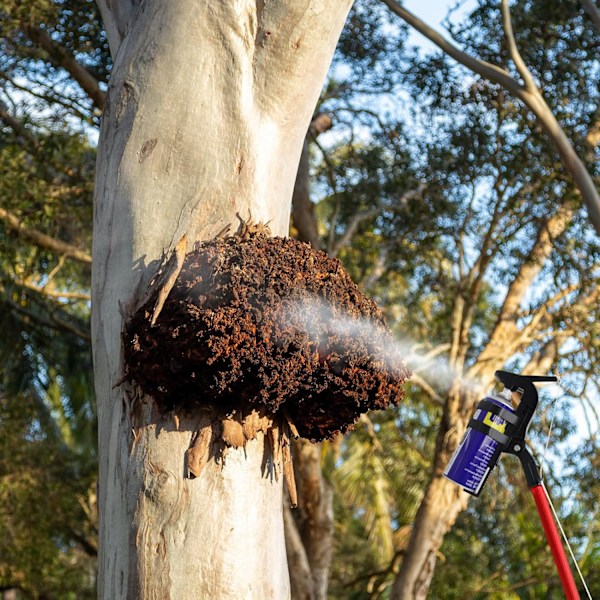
x=265 y=324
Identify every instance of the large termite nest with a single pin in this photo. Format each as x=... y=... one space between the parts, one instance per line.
x=264 y=325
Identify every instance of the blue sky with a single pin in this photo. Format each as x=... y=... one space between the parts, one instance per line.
x=433 y=12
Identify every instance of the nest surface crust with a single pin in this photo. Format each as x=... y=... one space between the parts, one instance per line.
x=265 y=323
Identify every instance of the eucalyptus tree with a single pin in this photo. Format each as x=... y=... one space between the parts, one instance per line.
x=207 y=109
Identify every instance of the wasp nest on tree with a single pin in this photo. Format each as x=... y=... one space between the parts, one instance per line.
x=257 y=325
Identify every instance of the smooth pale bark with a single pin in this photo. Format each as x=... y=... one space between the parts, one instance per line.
x=205 y=117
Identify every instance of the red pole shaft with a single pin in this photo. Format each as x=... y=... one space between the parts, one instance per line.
x=560 y=558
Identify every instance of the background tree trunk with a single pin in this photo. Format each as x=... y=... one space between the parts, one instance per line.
x=443 y=500
x=442 y=503
x=206 y=112
x=309 y=529
x=313 y=520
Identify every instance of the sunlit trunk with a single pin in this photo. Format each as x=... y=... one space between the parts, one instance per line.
x=206 y=113
x=442 y=502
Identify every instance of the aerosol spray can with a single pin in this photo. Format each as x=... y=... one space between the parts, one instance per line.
x=483 y=442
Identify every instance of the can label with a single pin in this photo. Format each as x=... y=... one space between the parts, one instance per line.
x=477 y=453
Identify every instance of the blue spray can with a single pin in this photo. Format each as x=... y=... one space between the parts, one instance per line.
x=484 y=440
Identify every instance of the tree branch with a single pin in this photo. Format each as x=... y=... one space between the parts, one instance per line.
x=469 y=288
x=378 y=268
x=53 y=322
x=485 y=69
x=314 y=516
x=321 y=123
x=42 y=240
x=16 y=125
x=543 y=360
x=358 y=218
x=43 y=291
x=513 y=51
x=420 y=382
x=88 y=546
x=52 y=98
x=303 y=209
x=593 y=12
x=542 y=313
x=60 y=57
x=424 y=358
x=460 y=236
x=532 y=98
x=116 y=16
x=504 y=339
x=348 y=234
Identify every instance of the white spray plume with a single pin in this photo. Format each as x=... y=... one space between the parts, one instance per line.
x=430 y=368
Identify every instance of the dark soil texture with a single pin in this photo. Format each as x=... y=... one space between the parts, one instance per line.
x=266 y=323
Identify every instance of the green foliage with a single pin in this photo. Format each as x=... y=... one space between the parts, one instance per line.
x=47 y=414
x=422 y=158
x=74 y=26
x=46 y=538
x=488 y=172
x=388 y=452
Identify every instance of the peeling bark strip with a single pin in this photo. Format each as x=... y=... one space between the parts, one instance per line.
x=173 y=268
x=211 y=93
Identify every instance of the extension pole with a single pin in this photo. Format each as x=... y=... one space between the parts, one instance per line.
x=560 y=558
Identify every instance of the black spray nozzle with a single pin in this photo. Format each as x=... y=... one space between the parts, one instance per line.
x=514 y=381
x=524 y=413
x=529 y=396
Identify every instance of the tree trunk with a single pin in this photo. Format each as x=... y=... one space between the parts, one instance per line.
x=300 y=577
x=442 y=503
x=443 y=500
x=206 y=113
x=312 y=522
x=303 y=208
